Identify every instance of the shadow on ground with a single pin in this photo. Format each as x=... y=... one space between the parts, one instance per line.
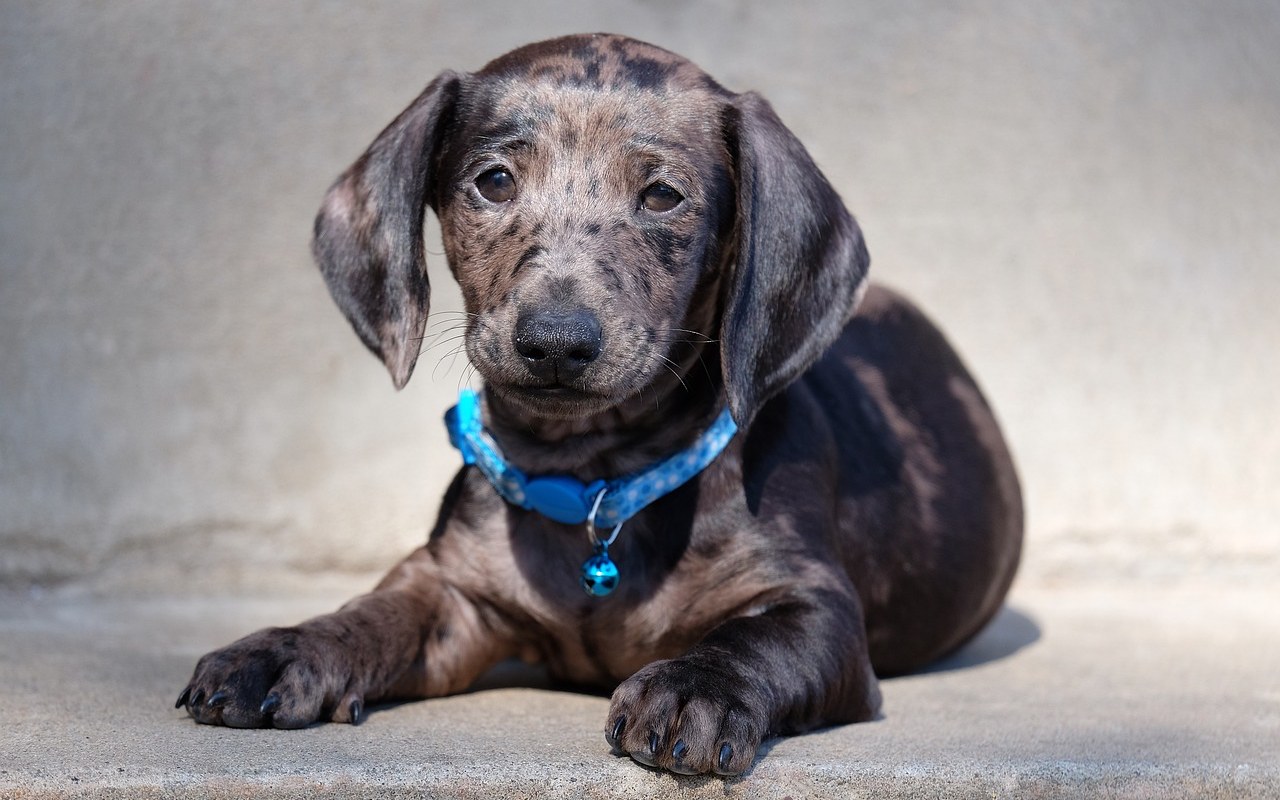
x=1009 y=632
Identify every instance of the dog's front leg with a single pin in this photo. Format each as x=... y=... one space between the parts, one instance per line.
x=413 y=636
x=799 y=663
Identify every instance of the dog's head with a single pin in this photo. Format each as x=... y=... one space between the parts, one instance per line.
x=601 y=201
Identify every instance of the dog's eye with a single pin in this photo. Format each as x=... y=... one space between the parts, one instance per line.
x=496 y=185
x=660 y=197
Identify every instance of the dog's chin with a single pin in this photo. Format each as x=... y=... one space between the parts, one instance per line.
x=556 y=401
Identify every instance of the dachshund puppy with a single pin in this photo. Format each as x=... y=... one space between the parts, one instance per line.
x=769 y=498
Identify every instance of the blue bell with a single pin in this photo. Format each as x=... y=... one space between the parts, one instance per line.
x=599 y=573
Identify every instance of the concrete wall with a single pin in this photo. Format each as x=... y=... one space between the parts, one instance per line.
x=1084 y=194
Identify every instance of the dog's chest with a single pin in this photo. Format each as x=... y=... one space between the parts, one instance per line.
x=669 y=596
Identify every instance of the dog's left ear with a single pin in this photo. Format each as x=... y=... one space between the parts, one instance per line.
x=368 y=234
x=801 y=264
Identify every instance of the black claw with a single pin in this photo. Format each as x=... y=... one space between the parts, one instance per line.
x=270 y=704
x=726 y=755
x=653 y=742
x=217 y=698
x=615 y=735
x=680 y=750
x=197 y=698
x=182 y=698
x=356 y=709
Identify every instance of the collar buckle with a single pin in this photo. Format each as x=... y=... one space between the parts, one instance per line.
x=561 y=497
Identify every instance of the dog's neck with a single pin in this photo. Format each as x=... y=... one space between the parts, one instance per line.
x=642 y=430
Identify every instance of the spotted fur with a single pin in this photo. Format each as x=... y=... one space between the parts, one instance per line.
x=867 y=518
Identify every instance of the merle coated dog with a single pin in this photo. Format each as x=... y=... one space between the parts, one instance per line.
x=640 y=249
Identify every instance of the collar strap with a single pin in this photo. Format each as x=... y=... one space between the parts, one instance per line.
x=567 y=499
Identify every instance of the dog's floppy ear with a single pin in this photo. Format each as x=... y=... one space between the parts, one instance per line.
x=801 y=264
x=368 y=234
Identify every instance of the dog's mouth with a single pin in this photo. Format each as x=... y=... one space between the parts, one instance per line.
x=554 y=399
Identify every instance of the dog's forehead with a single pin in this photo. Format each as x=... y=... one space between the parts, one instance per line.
x=598 y=95
x=604 y=62
x=576 y=119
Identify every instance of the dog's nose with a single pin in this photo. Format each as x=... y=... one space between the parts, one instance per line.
x=557 y=345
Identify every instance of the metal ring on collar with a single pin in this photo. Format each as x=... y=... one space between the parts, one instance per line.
x=591 y=522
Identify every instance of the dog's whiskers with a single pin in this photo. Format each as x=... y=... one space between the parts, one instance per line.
x=454 y=335
x=670 y=366
x=448 y=323
x=702 y=337
x=445 y=336
x=456 y=330
x=452 y=355
x=448 y=316
x=467 y=373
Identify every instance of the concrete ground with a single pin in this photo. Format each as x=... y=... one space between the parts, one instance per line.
x=1134 y=690
x=1083 y=196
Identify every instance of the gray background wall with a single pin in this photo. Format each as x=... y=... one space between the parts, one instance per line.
x=1086 y=195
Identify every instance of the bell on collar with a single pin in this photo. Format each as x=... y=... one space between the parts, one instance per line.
x=599 y=573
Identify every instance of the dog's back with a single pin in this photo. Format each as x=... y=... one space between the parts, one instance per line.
x=930 y=508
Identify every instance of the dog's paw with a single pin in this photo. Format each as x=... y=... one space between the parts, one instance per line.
x=281 y=677
x=687 y=718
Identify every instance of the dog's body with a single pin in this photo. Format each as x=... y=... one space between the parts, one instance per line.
x=637 y=248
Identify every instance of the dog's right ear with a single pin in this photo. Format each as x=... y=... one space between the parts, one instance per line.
x=368 y=234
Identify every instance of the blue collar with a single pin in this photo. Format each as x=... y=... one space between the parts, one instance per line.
x=566 y=499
